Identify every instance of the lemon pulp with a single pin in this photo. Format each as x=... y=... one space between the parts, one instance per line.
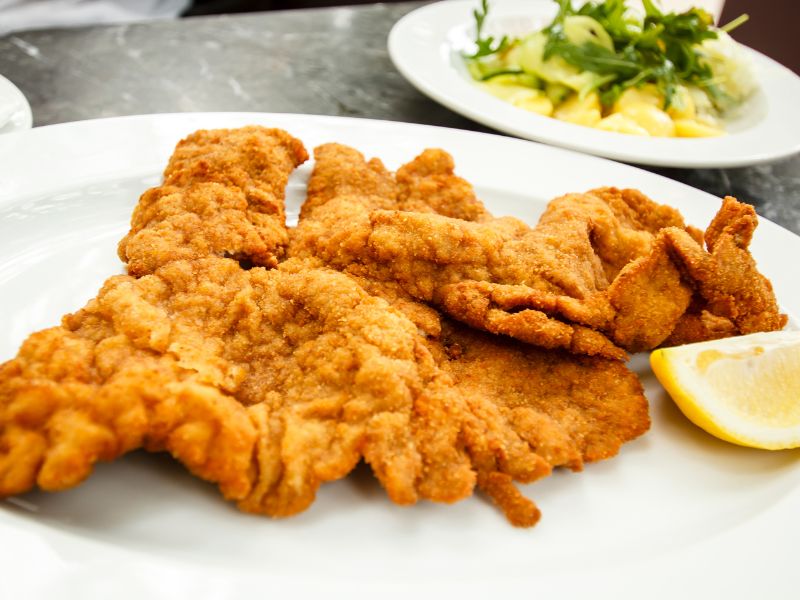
x=744 y=389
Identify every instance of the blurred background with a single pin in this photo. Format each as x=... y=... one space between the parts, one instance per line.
x=772 y=28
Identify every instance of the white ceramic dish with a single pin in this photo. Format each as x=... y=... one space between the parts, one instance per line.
x=426 y=47
x=15 y=112
x=676 y=514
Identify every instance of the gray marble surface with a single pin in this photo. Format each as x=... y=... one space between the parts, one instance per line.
x=323 y=61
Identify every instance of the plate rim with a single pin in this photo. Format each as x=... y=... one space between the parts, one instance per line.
x=24 y=110
x=8 y=141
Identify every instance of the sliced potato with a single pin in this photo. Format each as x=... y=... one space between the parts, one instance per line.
x=653 y=119
x=619 y=123
x=581 y=111
x=695 y=128
x=534 y=101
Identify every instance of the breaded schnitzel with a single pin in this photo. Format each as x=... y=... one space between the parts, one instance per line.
x=272 y=381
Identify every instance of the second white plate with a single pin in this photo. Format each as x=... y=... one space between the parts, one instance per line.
x=426 y=47
x=15 y=112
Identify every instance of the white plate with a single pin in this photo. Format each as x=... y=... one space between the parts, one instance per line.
x=676 y=512
x=15 y=112
x=426 y=46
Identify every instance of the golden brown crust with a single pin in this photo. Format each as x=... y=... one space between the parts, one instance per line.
x=569 y=408
x=525 y=410
x=273 y=382
x=267 y=382
x=93 y=389
x=340 y=171
x=726 y=279
x=428 y=184
x=603 y=272
x=223 y=195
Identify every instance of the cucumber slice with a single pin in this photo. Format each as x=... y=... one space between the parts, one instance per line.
x=555 y=69
x=580 y=29
x=515 y=78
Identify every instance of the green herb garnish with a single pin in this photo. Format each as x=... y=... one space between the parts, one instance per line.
x=486 y=46
x=658 y=48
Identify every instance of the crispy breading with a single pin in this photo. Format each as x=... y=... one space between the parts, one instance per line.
x=270 y=382
x=267 y=382
x=429 y=184
x=335 y=176
x=727 y=283
x=222 y=195
x=568 y=409
x=603 y=272
x=111 y=379
x=519 y=400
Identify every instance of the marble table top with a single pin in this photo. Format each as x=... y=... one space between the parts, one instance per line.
x=330 y=61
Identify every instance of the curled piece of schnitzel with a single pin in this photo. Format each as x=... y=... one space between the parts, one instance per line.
x=222 y=195
x=339 y=223
x=673 y=291
x=603 y=272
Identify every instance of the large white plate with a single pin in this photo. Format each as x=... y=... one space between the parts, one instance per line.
x=426 y=46
x=677 y=512
x=15 y=112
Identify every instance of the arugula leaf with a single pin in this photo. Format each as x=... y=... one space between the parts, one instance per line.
x=564 y=10
x=593 y=57
x=740 y=20
x=651 y=10
x=486 y=46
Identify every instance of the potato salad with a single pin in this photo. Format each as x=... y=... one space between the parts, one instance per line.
x=605 y=66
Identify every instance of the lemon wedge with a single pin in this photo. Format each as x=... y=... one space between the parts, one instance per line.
x=744 y=390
